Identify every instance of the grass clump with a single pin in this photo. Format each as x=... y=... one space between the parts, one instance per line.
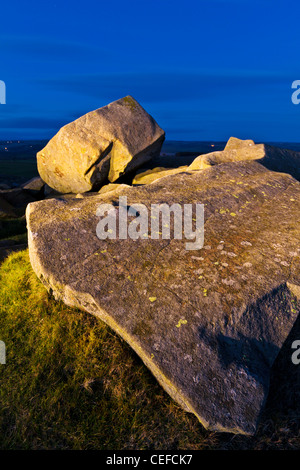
x=71 y=383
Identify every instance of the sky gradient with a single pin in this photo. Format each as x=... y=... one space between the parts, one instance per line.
x=204 y=69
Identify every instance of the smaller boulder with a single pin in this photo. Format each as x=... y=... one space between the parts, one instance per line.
x=149 y=176
x=236 y=150
x=113 y=187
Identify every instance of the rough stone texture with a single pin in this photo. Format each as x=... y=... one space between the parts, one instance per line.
x=105 y=143
x=113 y=187
x=273 y=158
x=9 y=248
x=208 y=160
x=208 y=323
x=149 y=176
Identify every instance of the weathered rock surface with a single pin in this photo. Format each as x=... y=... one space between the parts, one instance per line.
x=113 y=187
x=273 y=158
x=208 y=323
x=105 y=143
x=149 y=176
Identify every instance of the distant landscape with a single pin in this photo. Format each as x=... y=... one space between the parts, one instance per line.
x=18 y=157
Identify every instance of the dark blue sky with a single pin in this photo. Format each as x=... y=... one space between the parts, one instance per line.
x=205 y=69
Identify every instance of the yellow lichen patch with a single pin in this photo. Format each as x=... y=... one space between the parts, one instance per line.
x=224 y=211
x=152 y=299
x=232 y=214
x=103 y=251
x=205 y=292
x=181 y=322
x=130 y=102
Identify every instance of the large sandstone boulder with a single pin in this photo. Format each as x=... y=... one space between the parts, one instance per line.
x=208 y=323
x=273 y=158
x=105 y=143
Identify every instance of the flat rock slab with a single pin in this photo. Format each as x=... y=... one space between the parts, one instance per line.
x=208 y=323
x=149 y=176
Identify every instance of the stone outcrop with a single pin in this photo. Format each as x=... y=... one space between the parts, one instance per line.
x=113 y=187
x=105 y=143
x=273 y=158
x=208 y=323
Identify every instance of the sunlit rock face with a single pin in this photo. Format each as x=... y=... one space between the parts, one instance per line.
x=100 y=145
